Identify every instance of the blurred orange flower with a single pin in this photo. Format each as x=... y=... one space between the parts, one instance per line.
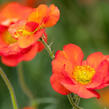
x=45 y=16
x=19 y=32
x=72 y=74
x=104 y=100
x=28 y=108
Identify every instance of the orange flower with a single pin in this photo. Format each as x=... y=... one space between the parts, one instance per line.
x=19 y=38
x=72 y=74
x=28 y=108
x=45 y=16
x=104 y=100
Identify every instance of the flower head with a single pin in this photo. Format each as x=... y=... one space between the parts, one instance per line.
x=104 y=100
x=44 y=15
x=72 y=74
x=28 y=108
x=20 y=32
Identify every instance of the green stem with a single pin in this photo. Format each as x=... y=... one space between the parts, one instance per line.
x=74 y=101
x=23 y=85
x=77 y=99
x=74 y=105
x=47 y=47
x=10 y=88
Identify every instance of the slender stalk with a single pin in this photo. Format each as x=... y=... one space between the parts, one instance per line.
x=23 y=85
x=72 y=102
x=10 y=88
x=77 y=99
x=47 y=47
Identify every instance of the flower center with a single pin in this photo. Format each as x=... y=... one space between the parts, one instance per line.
x=8 y=38
x=22 y=32
x=83 y=74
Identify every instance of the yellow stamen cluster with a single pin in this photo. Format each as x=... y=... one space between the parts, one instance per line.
x=22 y=32
x=83 y=74
x=8 y=38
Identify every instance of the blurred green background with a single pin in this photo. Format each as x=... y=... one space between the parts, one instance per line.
x=82 y=22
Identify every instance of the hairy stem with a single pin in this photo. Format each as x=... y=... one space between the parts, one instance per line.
x=77 y=99
x=10 y=88
x=47 y=47
x=73 y=101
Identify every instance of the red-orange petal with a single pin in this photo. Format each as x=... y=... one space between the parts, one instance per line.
x=13 y=12
x=38 y=14
x=26 y=41
x=44 y=15
x=81 y=91
x=56 y=85
x=74 y=54
x=31 y=26
x=56 y=80
x=31 y=53
x=107 y=57
x=24 y=55
x=12 y=60
x=53 y=16
x=59 y=62
x=95 y=59
x=3 y=30
x=101 y=77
